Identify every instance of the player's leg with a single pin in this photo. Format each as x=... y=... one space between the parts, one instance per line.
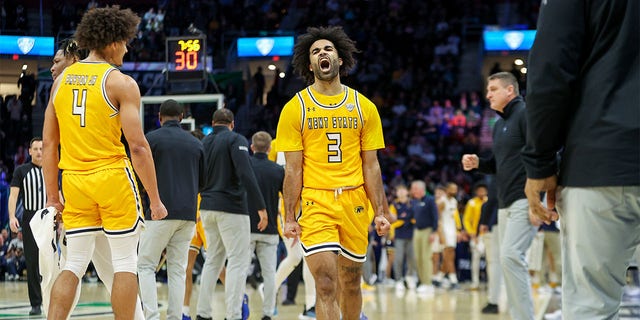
x=349 y=275
x=80 y=249
x=102 y=261
x=353 y=235
x=124 y=292
x=321 y=243
x=194 y=249
x=324 y=268
x=309 y=288
x=294 y=257
x=82 y=222
x=122 y=220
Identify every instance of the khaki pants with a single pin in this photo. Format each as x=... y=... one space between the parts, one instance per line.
x=600 y=232
x=422 y=248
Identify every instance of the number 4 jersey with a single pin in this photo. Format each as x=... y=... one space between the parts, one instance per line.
x=90 y=127
x=331 y=131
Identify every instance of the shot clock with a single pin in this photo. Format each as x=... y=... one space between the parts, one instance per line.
x=186 y=58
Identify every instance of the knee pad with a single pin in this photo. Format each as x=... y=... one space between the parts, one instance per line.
x=79 y=251
x=124 y=253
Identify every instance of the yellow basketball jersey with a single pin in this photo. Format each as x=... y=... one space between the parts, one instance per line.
x=90 y=127
x=332 y=131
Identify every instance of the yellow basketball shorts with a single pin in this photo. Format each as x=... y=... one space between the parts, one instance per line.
x=198 y=241
x=332 y=221
x=104 y=200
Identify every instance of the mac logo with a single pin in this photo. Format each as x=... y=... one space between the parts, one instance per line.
x=513 y=39
x=265 y=45
x=26 y=44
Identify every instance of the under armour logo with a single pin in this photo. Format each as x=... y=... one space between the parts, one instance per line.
x=309 y=203
x=309 y=109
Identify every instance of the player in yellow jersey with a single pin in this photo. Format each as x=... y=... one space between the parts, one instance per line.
x=330 y=135
x=91 y=105
x=471 y=219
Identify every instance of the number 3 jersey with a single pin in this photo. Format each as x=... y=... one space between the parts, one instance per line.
x=331 y=131
x=90 y=127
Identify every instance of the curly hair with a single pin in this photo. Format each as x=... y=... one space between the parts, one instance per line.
x=343 y=44
x=70 y=49
x=101 y=27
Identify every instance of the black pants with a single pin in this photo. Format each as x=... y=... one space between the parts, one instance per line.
x=31 y=256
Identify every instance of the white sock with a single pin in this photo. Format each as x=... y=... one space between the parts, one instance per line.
x=452 y=277
x=185 y=310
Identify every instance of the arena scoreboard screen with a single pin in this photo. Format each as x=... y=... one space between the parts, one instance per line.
x=186 y=58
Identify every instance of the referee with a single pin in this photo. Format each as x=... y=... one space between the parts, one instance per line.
x=28 y=185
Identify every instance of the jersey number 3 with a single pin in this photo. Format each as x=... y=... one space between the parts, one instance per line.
x=335 y=153
x=80 y=105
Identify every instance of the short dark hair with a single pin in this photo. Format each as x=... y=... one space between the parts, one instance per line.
x=507 y=79
x=480 y=185
x=34 y=140
x=101 y=27
x=171 y=108
x=222 y=116
x=261 y=141
x=198 y=134
x=343 y=44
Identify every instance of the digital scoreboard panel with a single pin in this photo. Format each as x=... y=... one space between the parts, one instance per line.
x=186 y=58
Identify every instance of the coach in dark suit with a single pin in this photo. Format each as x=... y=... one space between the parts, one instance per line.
x=270 y=177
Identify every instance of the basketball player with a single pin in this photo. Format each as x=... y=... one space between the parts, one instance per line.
x=330 y=134
x=68 y=54
x=92 y=104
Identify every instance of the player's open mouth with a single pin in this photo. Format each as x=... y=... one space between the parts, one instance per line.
x=325 y=64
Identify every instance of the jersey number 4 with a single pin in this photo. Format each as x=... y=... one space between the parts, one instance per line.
x=80 y=105
x=335 y=153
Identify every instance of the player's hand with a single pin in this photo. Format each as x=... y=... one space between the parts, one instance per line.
x=382 y=225
x=14 y=224
x=483 y=229
x=292 y=230
x=532 y=190
x=470 y=162
x=158 y=211
x=264 y=221
x=58 y=206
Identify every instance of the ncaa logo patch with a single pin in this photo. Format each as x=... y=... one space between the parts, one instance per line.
x=358 y=210
x=26 y=44
x=350 y=107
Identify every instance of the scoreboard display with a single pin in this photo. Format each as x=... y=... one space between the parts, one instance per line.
x=186 y=58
